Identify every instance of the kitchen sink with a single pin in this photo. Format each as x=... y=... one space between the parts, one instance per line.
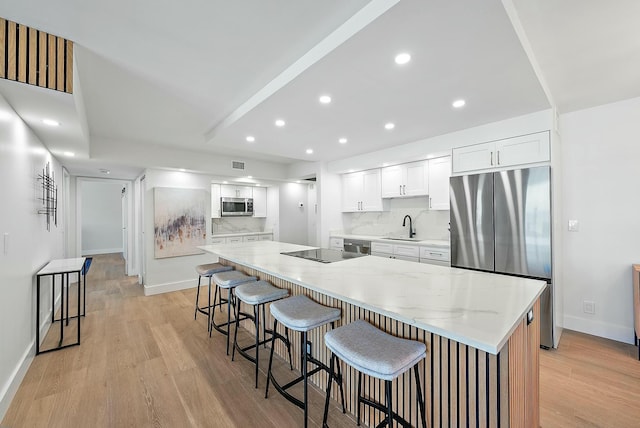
x=404 y=239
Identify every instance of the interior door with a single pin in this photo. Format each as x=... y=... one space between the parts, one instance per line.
x=472 y=244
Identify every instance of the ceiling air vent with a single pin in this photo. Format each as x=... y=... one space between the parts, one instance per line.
x=237 y=165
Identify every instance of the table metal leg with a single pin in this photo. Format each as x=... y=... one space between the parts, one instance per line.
x=37 y=314
x=61 y=308
x=68 y=286
x=78 y=308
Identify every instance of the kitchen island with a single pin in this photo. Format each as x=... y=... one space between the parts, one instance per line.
x=481 y=330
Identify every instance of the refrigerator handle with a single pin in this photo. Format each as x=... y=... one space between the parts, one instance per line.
x=491 y=158
x=498 y=156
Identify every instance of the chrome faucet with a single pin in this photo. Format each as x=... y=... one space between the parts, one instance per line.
x=412 y=232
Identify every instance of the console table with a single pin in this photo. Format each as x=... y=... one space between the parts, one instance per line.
x=64 y=268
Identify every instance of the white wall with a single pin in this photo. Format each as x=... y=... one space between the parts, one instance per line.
x=101 y=213
x=29 y=246
x=601 y=184
x=293 y=219
x=175 y=273
x=272 y=222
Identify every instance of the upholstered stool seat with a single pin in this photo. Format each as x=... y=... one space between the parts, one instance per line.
x=227 y=280
x=301 y=314
x=256 y=294
x=377 y=354
x=207 y=271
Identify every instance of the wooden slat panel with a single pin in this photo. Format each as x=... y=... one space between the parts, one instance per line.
x=33 y=57
x=3 y=43
x=11 y=50
x=51 y=62
x=42 y=59
x=60 y=64
x=517 y=350
x=69 y=70
x=459 y=382
x=22 y=53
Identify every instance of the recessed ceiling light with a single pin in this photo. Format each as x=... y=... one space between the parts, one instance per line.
x=280 y=123
x=225 y=182
x=389 y=126
x=309 y=151
x=257 y=184
x=69 y=154
x=403 y=58
x=182 y=170
x=352 y=170
x=251 y=138
x=325 y=99
x=459 y=103
x=250 y=176
x=50 y=122
x=342 y=141
x=297 y=181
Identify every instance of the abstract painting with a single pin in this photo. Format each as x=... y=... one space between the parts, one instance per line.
x=179 y=221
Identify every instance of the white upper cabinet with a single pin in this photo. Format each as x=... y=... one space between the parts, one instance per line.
x=514 y=151
x=228 y=191
x=361 y=191
x=215 y=201
x=439 y=173
x=409 y=179
x=259 y=201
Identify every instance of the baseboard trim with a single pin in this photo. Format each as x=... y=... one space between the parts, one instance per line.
x=150 y=290
x=13 y=383
x=597 y=328
x=103 y=251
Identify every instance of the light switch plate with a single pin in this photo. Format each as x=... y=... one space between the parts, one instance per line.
x=6 y=243
x=574 y=225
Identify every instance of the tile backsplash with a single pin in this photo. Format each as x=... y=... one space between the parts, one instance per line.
x=220 y=226
x=427 y=224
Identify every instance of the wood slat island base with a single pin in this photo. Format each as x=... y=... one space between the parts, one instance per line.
x=464 y=386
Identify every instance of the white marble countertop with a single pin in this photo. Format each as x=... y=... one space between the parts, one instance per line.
x=474 y=308
x=227 y=235
x=376 y=238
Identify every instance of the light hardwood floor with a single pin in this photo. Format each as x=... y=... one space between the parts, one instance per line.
x=144 y=361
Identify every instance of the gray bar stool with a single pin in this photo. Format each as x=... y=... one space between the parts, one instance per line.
x=207 y=271
x=227 y=280
x=256 y=294
x=377 y=354
x=301 y=314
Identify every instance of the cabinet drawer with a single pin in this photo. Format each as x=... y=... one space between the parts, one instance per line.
x=218 y=240
x=234 y=239
x=336 y=243
x=434 y=253
x=379 y=247
x=406 y=251
x=268 y=237
x=252 y=238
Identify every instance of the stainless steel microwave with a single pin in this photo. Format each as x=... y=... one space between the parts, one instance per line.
x=233 y=207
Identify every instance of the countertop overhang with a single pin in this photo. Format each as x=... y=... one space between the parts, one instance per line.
x=474 y=308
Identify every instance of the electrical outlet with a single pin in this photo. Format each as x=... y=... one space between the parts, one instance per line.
x=589 y=307
x=309 y=347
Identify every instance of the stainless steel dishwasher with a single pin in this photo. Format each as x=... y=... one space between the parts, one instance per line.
x=357 y=246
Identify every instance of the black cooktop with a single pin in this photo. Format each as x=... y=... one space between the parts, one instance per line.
x=323 y=255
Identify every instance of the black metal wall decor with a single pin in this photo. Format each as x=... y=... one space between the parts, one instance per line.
x=49 y=196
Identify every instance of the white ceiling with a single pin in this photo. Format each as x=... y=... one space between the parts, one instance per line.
x=198 y=77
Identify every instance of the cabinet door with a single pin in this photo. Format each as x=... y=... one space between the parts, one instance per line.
x=417 y=179
x=215 y=201
x=439 y=173
x=371 y=197
x=351 y=191
x=259 y=201
x=244 y=192
x=392 y=181
x=250 y=238
x=227 y=191
x=470 y=158
x=525 y=149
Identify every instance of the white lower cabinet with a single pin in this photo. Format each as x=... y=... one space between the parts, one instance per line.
x=251 y=238
x=218 y=240
x=268 y=237
x=401 y=252
x=234 y=239
x=435 y=256
x=336 y=244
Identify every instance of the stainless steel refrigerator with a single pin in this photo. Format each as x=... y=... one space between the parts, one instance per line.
x=501 y=223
